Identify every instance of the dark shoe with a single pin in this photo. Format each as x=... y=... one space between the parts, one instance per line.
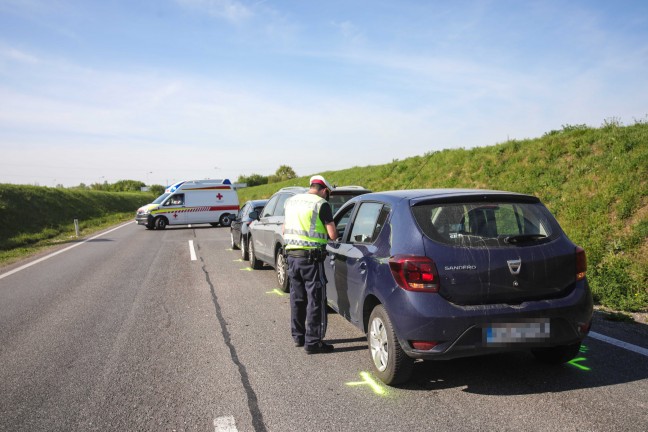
x=299 y=343
x=318 y=348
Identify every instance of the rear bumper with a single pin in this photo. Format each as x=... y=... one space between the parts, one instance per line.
x=461 y=331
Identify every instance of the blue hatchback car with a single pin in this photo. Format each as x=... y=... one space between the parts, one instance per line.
x=441 y=274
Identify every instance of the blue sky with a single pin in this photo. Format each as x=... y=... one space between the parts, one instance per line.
x=164 y=90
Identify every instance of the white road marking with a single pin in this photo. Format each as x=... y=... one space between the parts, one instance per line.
x=192 y=251
x=225 y=424
x=16 y=270
x=620 y=344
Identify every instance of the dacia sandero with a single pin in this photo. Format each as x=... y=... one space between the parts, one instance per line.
x=441 y=274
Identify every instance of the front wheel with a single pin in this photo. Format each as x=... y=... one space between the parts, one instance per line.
x=390 y=363
x=160 y=223
x=556 y=355
x=282 y=272
x=225 y=220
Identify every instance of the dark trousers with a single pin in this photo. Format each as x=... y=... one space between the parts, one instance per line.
x=308 y=318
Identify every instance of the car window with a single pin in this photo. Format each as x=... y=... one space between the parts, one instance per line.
x=337 y=201
x=365 y=226
x=269 y=207
x=244 y=211
x=490 y=224
x=342 y=220
x=258 y=209
x=281 y=204
x=177 y=199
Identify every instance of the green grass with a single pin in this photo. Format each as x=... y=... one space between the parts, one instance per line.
x=34 y=217
x=594 y=180
x=38 y=242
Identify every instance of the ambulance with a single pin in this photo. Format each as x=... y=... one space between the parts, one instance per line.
x=212 y=201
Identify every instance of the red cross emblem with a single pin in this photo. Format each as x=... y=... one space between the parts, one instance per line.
x=175 y=215
x=219 y=196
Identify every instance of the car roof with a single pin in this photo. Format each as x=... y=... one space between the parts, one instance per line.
x=349 y=189
x=259 y=202
x=296 y=189
x=418 y=195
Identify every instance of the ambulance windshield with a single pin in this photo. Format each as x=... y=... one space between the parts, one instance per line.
x=161 y=198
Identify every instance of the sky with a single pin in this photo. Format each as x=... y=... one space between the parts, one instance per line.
x=95 y=91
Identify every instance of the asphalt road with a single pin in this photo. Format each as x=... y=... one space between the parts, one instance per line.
x=126 y=332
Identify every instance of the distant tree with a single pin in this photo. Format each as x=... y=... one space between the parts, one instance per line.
x=157 y=189
x=253 y=180
x=127 y=186
x=284 y=172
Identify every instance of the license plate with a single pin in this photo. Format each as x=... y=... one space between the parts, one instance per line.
x=504 y=333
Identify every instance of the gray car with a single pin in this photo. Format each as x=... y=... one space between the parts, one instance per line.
x=240 y=227
x=265 y=242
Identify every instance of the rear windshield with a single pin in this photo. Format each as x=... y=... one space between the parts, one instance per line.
x=336 y=201
x=485 y=224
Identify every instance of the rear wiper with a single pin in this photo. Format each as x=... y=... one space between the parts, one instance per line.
x=523 y=238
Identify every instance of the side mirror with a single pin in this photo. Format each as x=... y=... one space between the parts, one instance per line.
x=254 y=215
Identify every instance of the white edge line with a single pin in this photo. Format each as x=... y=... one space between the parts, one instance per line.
x=16 y=270
x=225 y=424
x=620 y=344
x=192 y=252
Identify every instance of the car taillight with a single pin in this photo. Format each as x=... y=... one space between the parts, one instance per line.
x=581 y=263
x=415 y=273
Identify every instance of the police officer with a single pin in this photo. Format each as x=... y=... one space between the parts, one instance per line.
x=307 y=226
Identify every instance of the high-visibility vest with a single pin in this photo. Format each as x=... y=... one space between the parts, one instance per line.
x=303 y=228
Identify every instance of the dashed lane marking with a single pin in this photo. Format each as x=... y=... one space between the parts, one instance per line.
x=225 y=424
x=192 y=251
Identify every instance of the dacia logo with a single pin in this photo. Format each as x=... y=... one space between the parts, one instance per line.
x=514 y=266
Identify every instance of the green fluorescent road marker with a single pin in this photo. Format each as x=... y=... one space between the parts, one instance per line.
x=276 y=291
x=246 y=269
x=574 y=362
x=238 y=260
x=368 y=380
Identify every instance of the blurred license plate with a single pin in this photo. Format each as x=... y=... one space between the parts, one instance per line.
x=533 y=331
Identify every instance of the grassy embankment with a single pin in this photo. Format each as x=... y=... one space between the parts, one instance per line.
x=594 y=180
x=35 y=217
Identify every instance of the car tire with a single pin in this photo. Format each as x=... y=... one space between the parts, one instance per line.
x=244 y=249
x=232 y=242
x=389 y=361
x=254 y=262
x=225 y=220
x=281 y=266
x=160 y=223
x=556 y=355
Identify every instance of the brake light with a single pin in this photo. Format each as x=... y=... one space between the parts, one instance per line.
x=415 y=273
x=581 y=263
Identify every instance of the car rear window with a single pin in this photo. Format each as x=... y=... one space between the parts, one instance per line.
x=485 y=224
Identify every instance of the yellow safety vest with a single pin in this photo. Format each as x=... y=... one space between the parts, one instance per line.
x=303 y=228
